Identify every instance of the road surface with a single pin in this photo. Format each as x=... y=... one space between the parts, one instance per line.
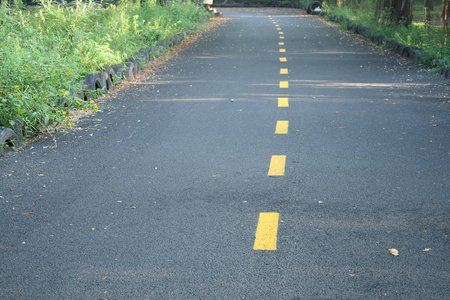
x=277 y=157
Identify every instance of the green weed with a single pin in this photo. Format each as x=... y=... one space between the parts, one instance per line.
x=46 y=51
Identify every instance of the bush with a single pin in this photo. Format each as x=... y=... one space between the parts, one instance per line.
x=430 y=39
x=47 y=49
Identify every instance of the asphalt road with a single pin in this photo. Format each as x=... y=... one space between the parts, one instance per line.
x=229 y=173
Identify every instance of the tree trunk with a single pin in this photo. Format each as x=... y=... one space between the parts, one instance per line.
x=402 y=12
x=429 y=9
x=378 y=9
x=446 y=16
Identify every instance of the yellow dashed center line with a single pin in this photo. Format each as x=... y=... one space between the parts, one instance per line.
x=284 y=84
x=283 y=102
x=267 y=229
x=282 y=127
x=281 y=37
x=277 y=165
x=266 y=232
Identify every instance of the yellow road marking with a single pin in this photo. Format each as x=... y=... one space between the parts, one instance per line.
x=283 y=59
x=278 y=28
x=281 y=44
x=281 y=37
x=284 y=84
x=280 y=32
x=277 y=164
x=282 y=127
x=283 y=102
x=276 y=25
x=282 y=50
x=266 y=232
x=284 y=71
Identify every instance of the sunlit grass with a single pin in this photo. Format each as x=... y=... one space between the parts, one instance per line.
x=46 y=50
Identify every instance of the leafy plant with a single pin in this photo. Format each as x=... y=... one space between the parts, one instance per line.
x=46 y=50
x=427 y=37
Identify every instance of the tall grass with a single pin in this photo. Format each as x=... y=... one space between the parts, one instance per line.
x=46 y=50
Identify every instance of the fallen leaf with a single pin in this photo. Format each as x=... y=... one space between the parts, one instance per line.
x=393 y=252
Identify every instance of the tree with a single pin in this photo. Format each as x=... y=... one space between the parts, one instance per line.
x=428 y=9
x=446 y=15
x=402 y=12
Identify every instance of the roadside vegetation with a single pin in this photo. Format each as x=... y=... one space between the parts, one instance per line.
x=420 y=26
x=46 y=50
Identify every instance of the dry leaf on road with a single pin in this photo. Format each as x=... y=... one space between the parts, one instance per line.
x=393 y=252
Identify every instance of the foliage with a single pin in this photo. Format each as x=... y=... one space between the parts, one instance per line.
x=429 y=38
x=46 y=50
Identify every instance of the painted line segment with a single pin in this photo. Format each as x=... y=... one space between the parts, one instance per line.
x=283 y=102
x=266 y=231
x=284 y=84
x=277 y=165
x=282 y=127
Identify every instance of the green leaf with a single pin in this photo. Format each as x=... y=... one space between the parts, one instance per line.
x=47 y=120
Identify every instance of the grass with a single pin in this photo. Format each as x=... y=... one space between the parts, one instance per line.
x=429 y=38
x=46 y=50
